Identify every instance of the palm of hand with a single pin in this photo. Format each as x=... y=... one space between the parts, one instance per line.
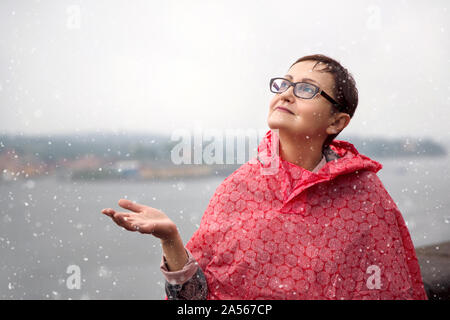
x=143 y=219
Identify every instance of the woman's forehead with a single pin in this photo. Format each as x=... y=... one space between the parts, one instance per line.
x=311 y=70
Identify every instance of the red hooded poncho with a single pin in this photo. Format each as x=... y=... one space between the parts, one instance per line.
x=273 y=230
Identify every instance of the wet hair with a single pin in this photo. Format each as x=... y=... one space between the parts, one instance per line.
x=344 y=91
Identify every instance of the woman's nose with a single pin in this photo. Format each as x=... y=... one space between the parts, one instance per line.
x=288 y=94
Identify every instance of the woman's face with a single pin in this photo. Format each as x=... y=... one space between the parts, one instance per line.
x=310 y=118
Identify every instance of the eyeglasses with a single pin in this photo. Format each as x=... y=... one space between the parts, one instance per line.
x=303 y=90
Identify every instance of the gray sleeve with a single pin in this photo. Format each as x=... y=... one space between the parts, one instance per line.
x=196 y=288
x=189 y=283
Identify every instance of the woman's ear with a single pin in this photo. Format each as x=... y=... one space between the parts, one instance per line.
x=341 y=120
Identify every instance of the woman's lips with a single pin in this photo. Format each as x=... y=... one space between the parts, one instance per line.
x=284 y=110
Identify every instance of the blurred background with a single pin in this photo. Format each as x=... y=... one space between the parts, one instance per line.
x=91 y=93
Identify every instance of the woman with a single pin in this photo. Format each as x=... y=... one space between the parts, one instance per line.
x=307 y=219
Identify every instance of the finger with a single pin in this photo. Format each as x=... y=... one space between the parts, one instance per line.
x=121 y=218
x=130 y=227
x=108 y=211
x=135 y=226
x=127 y=204
x=134 y=222
x=121 y=215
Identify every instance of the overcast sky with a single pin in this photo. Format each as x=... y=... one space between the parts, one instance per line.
x=158 y=66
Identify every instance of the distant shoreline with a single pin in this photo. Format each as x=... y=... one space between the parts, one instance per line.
x=92 y=168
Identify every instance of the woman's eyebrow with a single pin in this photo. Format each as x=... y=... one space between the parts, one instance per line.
x=304 y=79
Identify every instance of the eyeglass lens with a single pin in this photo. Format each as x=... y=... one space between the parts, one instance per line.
x=302 y=90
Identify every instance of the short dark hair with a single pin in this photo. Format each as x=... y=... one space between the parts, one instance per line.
x=344 y=91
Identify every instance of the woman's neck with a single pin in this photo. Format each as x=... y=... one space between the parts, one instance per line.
x=302 y=152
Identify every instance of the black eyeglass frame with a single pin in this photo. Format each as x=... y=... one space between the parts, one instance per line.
x=318 y=91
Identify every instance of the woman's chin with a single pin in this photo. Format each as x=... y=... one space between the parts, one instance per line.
x=277 y=123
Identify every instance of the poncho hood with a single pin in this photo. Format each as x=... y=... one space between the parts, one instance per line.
x=342 y=158
x=274 y=230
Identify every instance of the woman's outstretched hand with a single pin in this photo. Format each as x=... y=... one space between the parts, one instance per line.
x=143 y=219
x=152 y=221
